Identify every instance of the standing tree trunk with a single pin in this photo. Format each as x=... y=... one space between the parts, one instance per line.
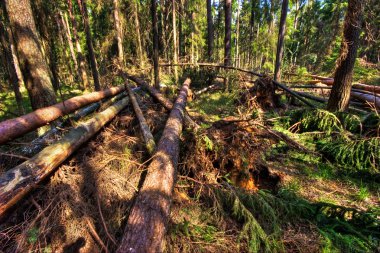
x=180 y=32
x=340 y=93
x=11 y=65
x=280 y=41
x=67 y=32
x=119 y=32
x=94 y=65
x=155 y=44
x=138 y=34
x=251 y=31
x=210 y=31
x=175 y=50
x=227 y=37
x=81 y=61
x=237 y=56
x=33 y=64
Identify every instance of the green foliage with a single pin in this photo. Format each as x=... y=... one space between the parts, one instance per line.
x=355 y=155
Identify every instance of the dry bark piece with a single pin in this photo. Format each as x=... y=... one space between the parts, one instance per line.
x=16 y=127
x=149 y=216
x=21 y=180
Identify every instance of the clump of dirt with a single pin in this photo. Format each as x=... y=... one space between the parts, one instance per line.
x=263 y=93
x=232 y=150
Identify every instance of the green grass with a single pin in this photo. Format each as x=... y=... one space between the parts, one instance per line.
x=214 y=106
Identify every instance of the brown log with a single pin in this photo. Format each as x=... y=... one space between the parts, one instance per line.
x=16 y=127
x=147 y=134
x=367 y=98
x=19 y=181
x=163 y=101
x=360 y=86
x=149 y=216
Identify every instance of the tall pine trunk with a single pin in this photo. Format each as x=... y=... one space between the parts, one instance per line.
x=280 y=41
x=210 y=31
x=119 y=32
x=237 y=56
x=155 y=44
x=67 y=32
x=11 y=66
x=94 y=65
x=138 y=34
x=340 y=93
x=227 y=37
x=37 y=76
x=175 y=50
x=81 y=61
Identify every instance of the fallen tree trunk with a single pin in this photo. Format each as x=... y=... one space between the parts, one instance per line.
x=19 y=181
x=367 y=98
x=16 y=127
x=360 y=86
x=147 y=135
x=329 y=88
x=189 y=122
x=37 y=144
x=149 y=216
x=282 y=86
x=322 y=100
x=198 y=92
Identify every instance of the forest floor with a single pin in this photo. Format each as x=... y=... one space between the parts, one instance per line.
x=251 y=180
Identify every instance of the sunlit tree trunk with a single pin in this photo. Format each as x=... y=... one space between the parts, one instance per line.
x=32 y=62
x=280 y=41
x=81 y=61
x=340 y=93
x=210 y=31
x=175 y=55
x=119 y=31
x=138 y=33
x=155 y=44
x=94 y=65
x=67 y=33
x=227 y=37
x=237 y=56
x=11 y=65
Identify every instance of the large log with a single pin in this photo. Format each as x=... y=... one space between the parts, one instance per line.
x=16 y=127
x=37 y=144
x=149 y=216
x=367 y=98
x=360 y=86
x=147 y=135
x=167 y=104
x=19 y=181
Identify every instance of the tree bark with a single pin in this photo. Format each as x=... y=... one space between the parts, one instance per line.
x=149 y=216
x=210 y=31
x=81 y=61
x=138 y=34
x=280 y=41
x=340 y=94
x=227 y=32
x=155 y=44
x=33 y=64
x=147 y=134
x=66 y=29
x=13 y=128
x=19 y=181
x=175 y=50
x=237 y=56
x=11 y=65
x=94 y=65
x=119 y=32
